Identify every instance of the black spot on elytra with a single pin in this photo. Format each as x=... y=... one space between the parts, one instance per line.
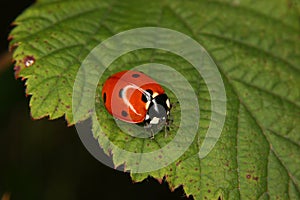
x=124 y=113
x=150 y=91
x=104 y=97
x=135 y=75
x=144 y=98
x=121 y=93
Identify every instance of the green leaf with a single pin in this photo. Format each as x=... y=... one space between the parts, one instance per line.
x=257 y=49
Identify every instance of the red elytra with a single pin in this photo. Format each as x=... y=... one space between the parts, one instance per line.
x=131 y=95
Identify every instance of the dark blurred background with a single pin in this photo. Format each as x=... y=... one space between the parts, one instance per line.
x=45 y=159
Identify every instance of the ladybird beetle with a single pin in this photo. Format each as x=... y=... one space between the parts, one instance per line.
x=134 y=97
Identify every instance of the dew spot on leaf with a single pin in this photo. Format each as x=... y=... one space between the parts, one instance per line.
x=29 y=61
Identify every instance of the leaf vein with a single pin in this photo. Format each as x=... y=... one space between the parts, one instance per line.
x=254 y=48
x=266 y=91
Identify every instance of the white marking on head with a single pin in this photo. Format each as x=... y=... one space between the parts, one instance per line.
x=148 y=104
x=155 y=120
x=155 y=94
x=168 y=103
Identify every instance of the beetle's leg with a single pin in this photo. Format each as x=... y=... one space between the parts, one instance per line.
x=148 y=128
x=152 y=134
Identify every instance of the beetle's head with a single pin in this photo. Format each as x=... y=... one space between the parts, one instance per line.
x=158 y=110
